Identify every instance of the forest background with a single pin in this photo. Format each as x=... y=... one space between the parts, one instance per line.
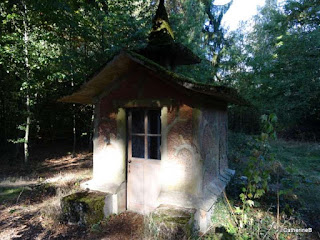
x=48 y=49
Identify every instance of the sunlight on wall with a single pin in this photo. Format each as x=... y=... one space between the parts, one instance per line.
x=109 y=158
x=172 y=175
x=108 y=164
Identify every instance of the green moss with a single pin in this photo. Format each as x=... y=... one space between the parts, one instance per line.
x=84 y=208
x=175 y=76
x=95 y=213
x=171 y=219
x=161 y=32
x=160 y=69
x=221 y=214
x=172 y=223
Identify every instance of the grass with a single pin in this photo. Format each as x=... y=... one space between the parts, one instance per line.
x=10 y=193
x=302 y=160
x=303 y=156
x=299 y=206
x=30 y=204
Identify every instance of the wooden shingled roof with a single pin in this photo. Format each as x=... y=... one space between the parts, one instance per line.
x=113 y=70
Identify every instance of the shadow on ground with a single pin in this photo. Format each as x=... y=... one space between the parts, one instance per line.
x=28 y=191
x=46 y=160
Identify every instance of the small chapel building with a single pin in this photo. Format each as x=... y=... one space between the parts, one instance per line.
x=159 y=137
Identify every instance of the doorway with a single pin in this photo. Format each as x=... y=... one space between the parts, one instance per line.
x=144 y=158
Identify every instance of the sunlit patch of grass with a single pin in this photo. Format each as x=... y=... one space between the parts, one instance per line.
x=71 y=177
x=9 y=193
x=12 y=182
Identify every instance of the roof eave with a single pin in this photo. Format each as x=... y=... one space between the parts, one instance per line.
x=102 y=80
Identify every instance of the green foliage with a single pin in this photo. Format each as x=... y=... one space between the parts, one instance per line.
x=257 y=176
x=256 y=172
x=215 y=43
x=67 y=41
x=197 y=24
x=275 y=66
x=294 y=176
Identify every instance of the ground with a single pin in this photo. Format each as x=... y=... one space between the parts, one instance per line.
x=303 y=160
x=299 y=187
x=30 y=199
x=30 y=196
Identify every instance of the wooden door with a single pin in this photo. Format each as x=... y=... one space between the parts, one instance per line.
x=143 y=171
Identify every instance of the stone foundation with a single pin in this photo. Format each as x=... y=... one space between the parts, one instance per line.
x=171 y=222
x=83 y=208
x=116 y=203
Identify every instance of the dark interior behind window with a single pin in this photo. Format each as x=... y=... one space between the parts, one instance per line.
x=145 y=133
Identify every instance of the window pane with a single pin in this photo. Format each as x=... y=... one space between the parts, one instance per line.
x=138 y=146
x=137 y=121
x=154 y=147
x=154 y=122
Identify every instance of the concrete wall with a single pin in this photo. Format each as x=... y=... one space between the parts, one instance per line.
x=109 y=153
x=195 y=166
x=181 y=164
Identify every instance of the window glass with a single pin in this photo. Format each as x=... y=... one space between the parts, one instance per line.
x=138 y=134
x=154 y=122
x=138 y=146
x=154 y=147
x=137 y=121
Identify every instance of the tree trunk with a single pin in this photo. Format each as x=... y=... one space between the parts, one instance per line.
x=74 y=129
x=27 y=131
x=74 y=133
x=26 y=52
x=91 y=130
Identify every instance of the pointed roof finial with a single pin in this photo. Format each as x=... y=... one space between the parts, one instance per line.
x=161 y=12
x=161 y=33
x=162 y=47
